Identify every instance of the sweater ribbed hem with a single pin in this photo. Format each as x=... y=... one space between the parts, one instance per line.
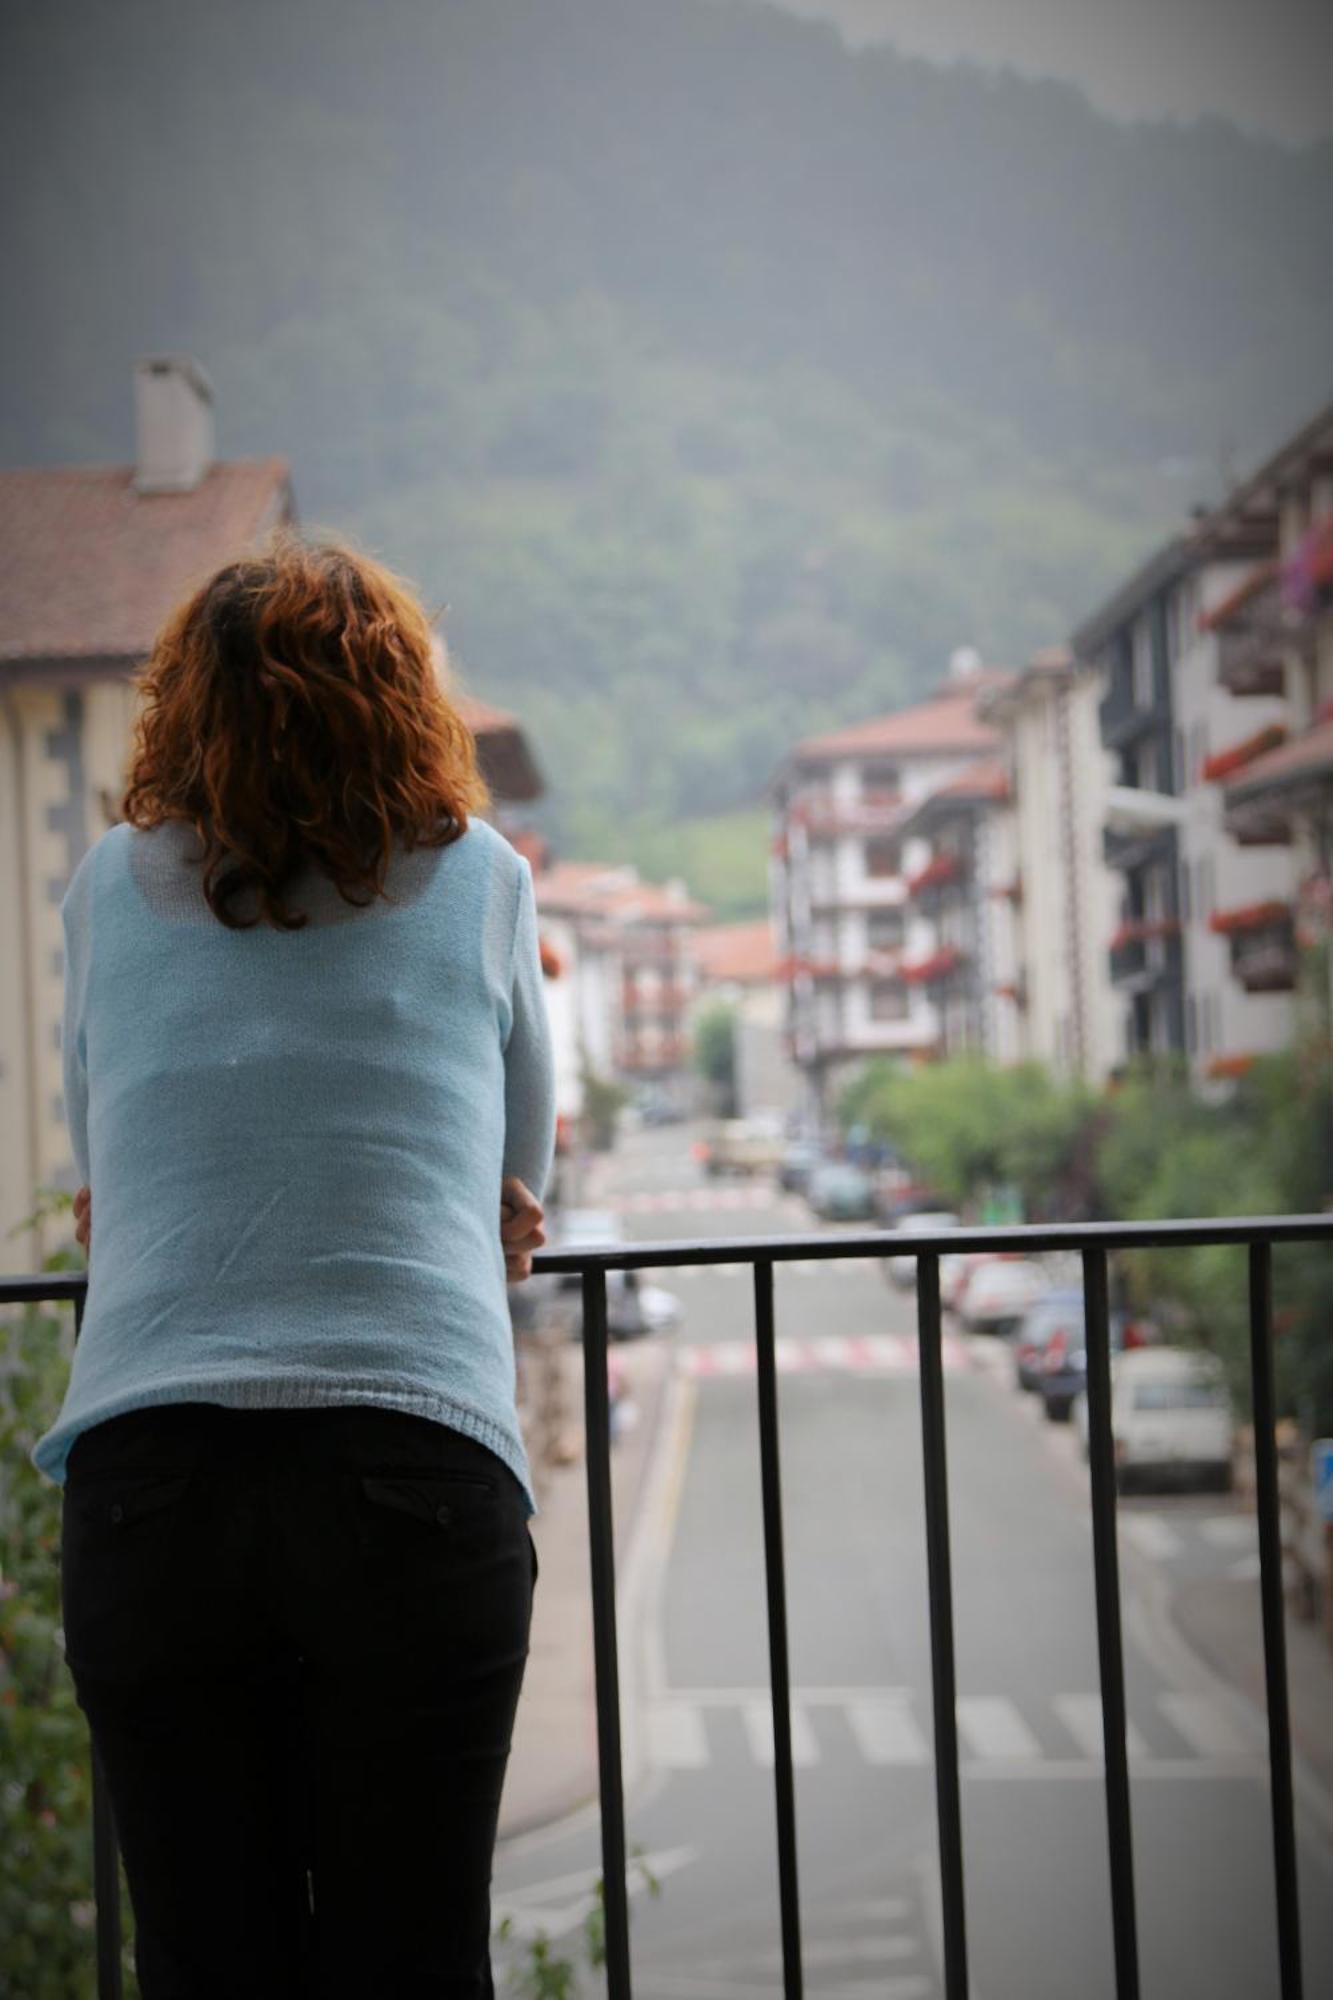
x=51 y=1454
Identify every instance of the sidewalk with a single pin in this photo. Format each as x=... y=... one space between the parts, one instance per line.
x=553 y=1764
x=1219 y=1617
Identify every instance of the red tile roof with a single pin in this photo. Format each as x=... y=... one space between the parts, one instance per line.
x=569 y=887
x=92 y=568
x=610 y=889
x=945 y=723
x=740 y=954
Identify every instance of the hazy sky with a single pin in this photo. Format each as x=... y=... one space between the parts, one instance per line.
x=1267 y=64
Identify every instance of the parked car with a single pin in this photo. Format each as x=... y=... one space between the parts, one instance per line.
x=1171 y=1417
x=1055 y=1317
x=743 y=1146
x=797 y=1162
x=897 y=1195
x=998 y=1292
x=636 y=1308
x=656 y=1108
x=901 y=1270
x=956 y=1267
x=1057 y=1358
x=840 y=1192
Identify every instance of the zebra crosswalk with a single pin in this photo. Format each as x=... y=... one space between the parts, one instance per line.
x=855 y=1354
x=692 y=1200
x=1179 y=1733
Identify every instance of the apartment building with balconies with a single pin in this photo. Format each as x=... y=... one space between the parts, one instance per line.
x=849 y=933
x=628 y=944
x=1063 y=896
x=1274 y=632
x=967 y=888
x=1172 y=724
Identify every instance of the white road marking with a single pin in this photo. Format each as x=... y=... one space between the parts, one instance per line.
x=996 y=1741
x=1207 y=1726
x=1230 y=1531
x=1081 y=1715
x=758 y=1719
x=887 y=1732
x=677 y=1740
x=864 y=1354
x=653 y=1985
x=993 y=1728
x=1151 y=1536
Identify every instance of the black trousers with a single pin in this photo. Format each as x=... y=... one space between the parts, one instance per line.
x=299 y=1638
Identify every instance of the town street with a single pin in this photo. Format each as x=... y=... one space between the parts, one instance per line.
x=1028 y=1711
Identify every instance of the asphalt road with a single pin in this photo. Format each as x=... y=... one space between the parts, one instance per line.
x=1035 y=1854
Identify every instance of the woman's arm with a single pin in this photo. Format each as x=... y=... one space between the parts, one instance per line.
x=528 y=1057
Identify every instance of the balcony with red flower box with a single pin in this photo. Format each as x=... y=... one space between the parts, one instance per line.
x=1251 y=633
x=939 y=870
x=825 y=819
x=1264 y=955
x=934 y=969
x=1128 y=948
x=1225 y=763
x=1227 y=1067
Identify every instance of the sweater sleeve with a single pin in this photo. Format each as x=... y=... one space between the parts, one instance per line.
x=528 y=1056
x=76 y=921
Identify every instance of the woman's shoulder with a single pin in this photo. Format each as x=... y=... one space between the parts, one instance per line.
x=107 y=846
x=490 y=849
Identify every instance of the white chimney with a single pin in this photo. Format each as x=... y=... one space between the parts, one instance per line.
x=173 y=410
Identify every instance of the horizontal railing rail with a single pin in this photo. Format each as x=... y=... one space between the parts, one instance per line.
x=1094 y=1242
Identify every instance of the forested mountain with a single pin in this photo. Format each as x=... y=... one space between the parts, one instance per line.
x=720 y=380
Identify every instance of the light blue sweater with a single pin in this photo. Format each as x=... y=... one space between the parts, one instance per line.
x=295 y=1140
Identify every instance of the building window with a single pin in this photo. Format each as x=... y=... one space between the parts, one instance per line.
x=1184 y=892
x=888 y=1000
x=884 y=929
x=882 y=858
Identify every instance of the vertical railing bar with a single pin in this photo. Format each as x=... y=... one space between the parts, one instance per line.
x=106 y=1848
x=1106 y=1575
x=106 y=1886
x=948 y=1806
x=1275 y=1641
x=779 y=1670
x=597 y=1452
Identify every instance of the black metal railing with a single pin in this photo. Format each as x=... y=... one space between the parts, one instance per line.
x=1094 y=1241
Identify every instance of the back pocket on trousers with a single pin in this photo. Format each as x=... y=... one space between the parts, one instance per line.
x=439 y=1500
x=119 y=1500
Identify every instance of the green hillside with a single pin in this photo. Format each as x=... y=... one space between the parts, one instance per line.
x=719 y=381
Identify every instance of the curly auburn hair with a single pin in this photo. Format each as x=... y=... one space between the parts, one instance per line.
x=293 y=710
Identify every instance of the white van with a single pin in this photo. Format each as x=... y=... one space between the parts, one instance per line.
x=1171 y=1416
